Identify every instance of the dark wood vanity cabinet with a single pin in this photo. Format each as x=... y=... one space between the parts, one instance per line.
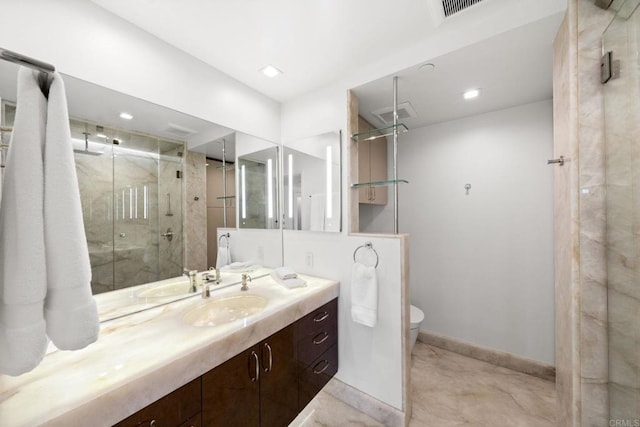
x=317 y=348
x=267 y=385
x=258 y=387
x=180 y=408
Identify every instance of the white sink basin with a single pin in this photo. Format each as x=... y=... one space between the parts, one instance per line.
x=167 y=290
x=225 y=310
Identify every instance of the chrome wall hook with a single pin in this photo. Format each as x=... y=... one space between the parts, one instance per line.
x=560 y=161
x=467 y=187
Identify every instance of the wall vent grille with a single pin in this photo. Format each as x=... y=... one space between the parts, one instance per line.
x=385 y=115
x=454 y=6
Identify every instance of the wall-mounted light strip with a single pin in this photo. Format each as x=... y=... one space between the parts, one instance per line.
x=329 y=166
x=290 y=187
x=269 y=188
x=145 y=203
x=243 y=191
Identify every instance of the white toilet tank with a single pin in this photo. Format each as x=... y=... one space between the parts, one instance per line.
x=416 y=318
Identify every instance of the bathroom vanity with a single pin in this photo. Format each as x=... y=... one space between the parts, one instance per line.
x=156 y=368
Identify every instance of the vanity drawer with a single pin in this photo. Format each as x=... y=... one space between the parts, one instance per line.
x=316 y=375
x=318 y=319
x=173 y=410
x=312 y=345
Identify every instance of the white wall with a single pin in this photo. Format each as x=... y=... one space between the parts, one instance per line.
x=482 y=264
x=83 y=40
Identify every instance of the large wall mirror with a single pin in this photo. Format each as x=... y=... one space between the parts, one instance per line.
x=311 y=183
x=132 y=180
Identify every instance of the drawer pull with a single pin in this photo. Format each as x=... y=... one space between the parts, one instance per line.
x=255 y=377
x=321 y=316
x=268 y=367
x=318 y=341
x=324 y=368
x=150 y=423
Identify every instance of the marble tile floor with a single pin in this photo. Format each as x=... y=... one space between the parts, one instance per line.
x=453 y=390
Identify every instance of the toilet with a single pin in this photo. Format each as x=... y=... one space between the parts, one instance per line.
x=416 y=317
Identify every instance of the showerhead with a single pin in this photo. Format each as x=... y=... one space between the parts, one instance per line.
x=86 y=147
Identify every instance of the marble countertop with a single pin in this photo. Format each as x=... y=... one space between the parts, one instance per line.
x=143 y=356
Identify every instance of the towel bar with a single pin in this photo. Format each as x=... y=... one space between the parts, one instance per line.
x=367 y=245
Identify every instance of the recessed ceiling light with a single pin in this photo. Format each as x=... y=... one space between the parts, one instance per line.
x=471 y=93
x=126 y=116
x=270 y=71
x=427 y=68
x=102 y=135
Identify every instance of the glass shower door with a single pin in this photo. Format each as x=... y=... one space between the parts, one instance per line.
x=622 y=127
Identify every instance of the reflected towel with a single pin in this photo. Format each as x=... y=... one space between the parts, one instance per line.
x=364 y=294
x=70 y=309
x=224 y=256
x=316 y=208
x=23 y=341
x=296 y=282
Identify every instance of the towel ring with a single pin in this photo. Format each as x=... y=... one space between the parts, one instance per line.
x=367 y=245
x=227 y=235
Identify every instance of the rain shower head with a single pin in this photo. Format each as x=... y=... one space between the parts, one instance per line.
x=86 y=147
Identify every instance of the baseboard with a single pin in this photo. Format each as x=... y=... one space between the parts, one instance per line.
x=496 y=357
x=379 y=411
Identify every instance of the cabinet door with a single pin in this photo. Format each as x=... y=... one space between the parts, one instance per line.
x=278 y=380
x=172 y=410
x=378 y=165
x=230 y=392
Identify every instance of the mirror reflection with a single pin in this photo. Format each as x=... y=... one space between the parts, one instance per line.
x=138 y=202
x=257 y=177
x=311 y=183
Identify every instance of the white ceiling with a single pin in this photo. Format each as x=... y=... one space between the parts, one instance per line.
x=316 y=43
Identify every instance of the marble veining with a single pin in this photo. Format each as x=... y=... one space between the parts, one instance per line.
x=144 y=356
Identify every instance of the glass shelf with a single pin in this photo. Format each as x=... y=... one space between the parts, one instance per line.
x=372 y=134
x=227 y=167
x=379 y=183
x=225 y=197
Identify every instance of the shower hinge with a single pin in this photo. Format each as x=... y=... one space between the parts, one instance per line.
x=609 y=68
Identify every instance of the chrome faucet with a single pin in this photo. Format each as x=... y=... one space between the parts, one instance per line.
x=244 y=287
x=191 y=274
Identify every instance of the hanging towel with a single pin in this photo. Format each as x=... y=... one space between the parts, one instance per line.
x=316 y=208
x=224 y=256
x=70 y=309
x=364 y=294
x=22 y=249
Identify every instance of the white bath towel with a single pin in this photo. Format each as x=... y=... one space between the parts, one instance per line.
x=70 y=309
x=296 y=282
x=364 y=294
x=316 y=212
x=285 y=273
x=23 y=341
x=224 y=256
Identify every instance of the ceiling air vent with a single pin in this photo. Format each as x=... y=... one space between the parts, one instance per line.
x=454 y=6
x=385 y=115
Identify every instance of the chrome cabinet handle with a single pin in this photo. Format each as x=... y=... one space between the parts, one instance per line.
x=268 y=367
x=257 y=368
x=324 y=368
x=321 y=316
x=152 y=423
x=559 y=160
x=317 y=341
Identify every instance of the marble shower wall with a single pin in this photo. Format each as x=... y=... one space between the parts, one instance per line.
x=195 y=215
x=622 y=108
x=580 y=215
